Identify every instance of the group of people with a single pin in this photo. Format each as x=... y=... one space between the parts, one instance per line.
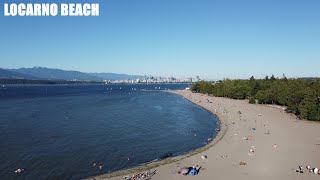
x=145 y=175
x=95 y=165
x=309 y=169
x=192 y=171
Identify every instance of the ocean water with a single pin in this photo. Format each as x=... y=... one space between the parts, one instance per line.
x=59 y=131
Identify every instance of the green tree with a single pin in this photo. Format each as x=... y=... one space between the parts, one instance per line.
x=309 y=107
x=302 y=97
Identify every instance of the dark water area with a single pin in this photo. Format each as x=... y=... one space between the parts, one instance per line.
x=24 y=91
x=59 y=131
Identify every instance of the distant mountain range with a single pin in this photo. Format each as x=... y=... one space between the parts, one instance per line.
x=7 y=74
x=42 y=73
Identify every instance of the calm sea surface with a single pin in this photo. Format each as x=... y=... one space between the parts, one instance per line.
x=59 y=131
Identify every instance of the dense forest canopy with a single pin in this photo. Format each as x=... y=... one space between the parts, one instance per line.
x=301 y=96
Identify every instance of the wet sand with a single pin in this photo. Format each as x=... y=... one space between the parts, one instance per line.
x=279 y=141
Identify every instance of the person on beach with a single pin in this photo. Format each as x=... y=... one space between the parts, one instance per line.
x=251 y=152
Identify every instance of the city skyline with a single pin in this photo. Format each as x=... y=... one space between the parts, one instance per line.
x=210 y=39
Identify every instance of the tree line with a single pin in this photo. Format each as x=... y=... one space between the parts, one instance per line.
x=301 y=96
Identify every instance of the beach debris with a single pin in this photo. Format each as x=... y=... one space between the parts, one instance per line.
x=236 y=134
x=94 y=164
x=224 y=156
x=259 y=114
x=239 y=112
x=19 y=170
x=243 y=163
x=217 y=129
x=253 y=129
x=204 y=157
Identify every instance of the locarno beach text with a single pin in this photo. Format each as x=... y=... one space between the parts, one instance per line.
x=46 y=9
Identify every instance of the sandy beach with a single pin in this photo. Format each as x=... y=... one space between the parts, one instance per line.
x=278 y=142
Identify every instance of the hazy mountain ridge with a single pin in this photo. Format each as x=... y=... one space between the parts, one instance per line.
x=8 y=74
x=56 y=74
x=59 y=74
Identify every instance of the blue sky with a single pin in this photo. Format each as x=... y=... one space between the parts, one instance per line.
x=209 y=38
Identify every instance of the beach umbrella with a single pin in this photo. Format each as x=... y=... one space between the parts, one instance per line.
x=193 y=172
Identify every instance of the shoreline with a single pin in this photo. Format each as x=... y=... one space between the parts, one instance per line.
x=255 y=142
x=154 y=164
